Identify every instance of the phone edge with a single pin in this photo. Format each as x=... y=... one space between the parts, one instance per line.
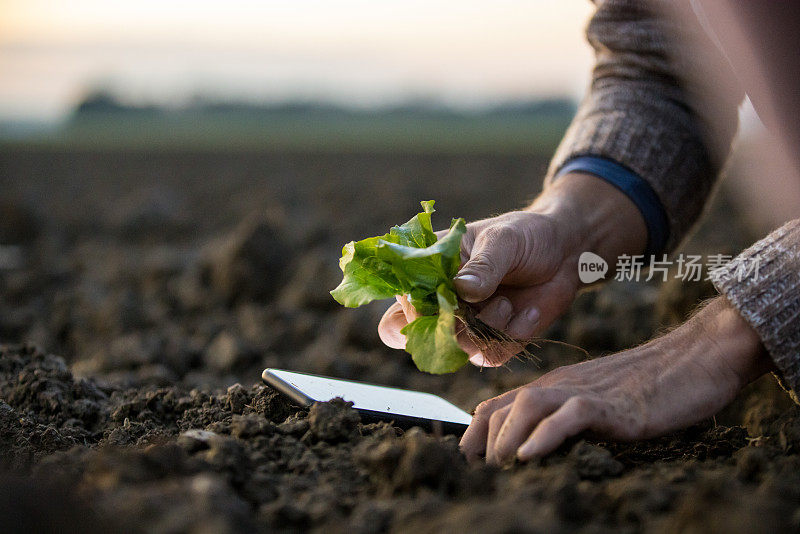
x=287 y=389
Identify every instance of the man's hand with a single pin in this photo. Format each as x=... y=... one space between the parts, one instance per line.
x=520 y=269
x=516 y=268
x=670 y=383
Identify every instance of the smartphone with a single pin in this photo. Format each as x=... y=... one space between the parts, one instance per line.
x=402 y=407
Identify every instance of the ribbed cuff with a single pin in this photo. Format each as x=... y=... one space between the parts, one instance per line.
x=635 y=188
x=763 y=284
x=641 y=129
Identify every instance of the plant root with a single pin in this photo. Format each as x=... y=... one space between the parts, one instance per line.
x=496 y=346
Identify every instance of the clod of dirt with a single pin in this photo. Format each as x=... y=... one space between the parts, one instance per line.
x=270 y=404
x=594 y=462
x=251 y=425
x=295 y=425
x=428 y=462
x=249 y=263
x=42 y=407
x=418 y=461
x=333 y=421
x=237 y=398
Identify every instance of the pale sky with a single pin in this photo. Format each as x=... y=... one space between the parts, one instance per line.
x=360 y=52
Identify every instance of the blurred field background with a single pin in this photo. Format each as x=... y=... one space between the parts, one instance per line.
x=102 y=122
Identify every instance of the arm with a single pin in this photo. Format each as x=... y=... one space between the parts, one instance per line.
x=763 y=284
x=646 y=114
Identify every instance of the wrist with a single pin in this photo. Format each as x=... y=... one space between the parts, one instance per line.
x=734 y=342
x=595 y=215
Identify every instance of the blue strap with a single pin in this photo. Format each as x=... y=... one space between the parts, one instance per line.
x=635 y=188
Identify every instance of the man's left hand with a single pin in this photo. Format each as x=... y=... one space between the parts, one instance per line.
x=669 y=383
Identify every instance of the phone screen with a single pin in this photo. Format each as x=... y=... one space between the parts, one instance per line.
x=307 y=388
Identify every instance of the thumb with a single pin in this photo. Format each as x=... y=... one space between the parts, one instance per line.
x=489 y=262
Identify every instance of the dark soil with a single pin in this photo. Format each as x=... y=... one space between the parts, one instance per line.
x=165 y=283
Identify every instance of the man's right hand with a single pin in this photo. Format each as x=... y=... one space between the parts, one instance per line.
x=520 y=269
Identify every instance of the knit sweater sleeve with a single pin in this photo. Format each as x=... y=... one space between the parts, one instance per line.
x=763 y=284
x=641 y=110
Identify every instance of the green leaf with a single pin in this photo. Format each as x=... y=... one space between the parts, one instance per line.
x=424 y=301
x=409 y=260
x=430 y=266
x=423 y=272
x=361 y=286
x=431 y=340
x=450 y=246
x=366 y=278
x=418 y=231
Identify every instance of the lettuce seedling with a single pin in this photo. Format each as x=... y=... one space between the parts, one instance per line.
x=409 y=260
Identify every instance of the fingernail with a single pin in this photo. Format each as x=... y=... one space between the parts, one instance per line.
x=526 y=451
x=532 y=315
x=468 y=278
x=523 y=325
x=477 y=359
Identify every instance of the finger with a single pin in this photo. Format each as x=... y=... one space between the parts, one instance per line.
x=497 y=313
x=392 y=322
x=575 y=416
x=530 y=406
x=549 y=300
x=408 y=309
x=488 y=354
x=493 y=356
x=465 y=341
x=495 y=423
x=492 y=255
x=523 y=325
x=473 y=442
